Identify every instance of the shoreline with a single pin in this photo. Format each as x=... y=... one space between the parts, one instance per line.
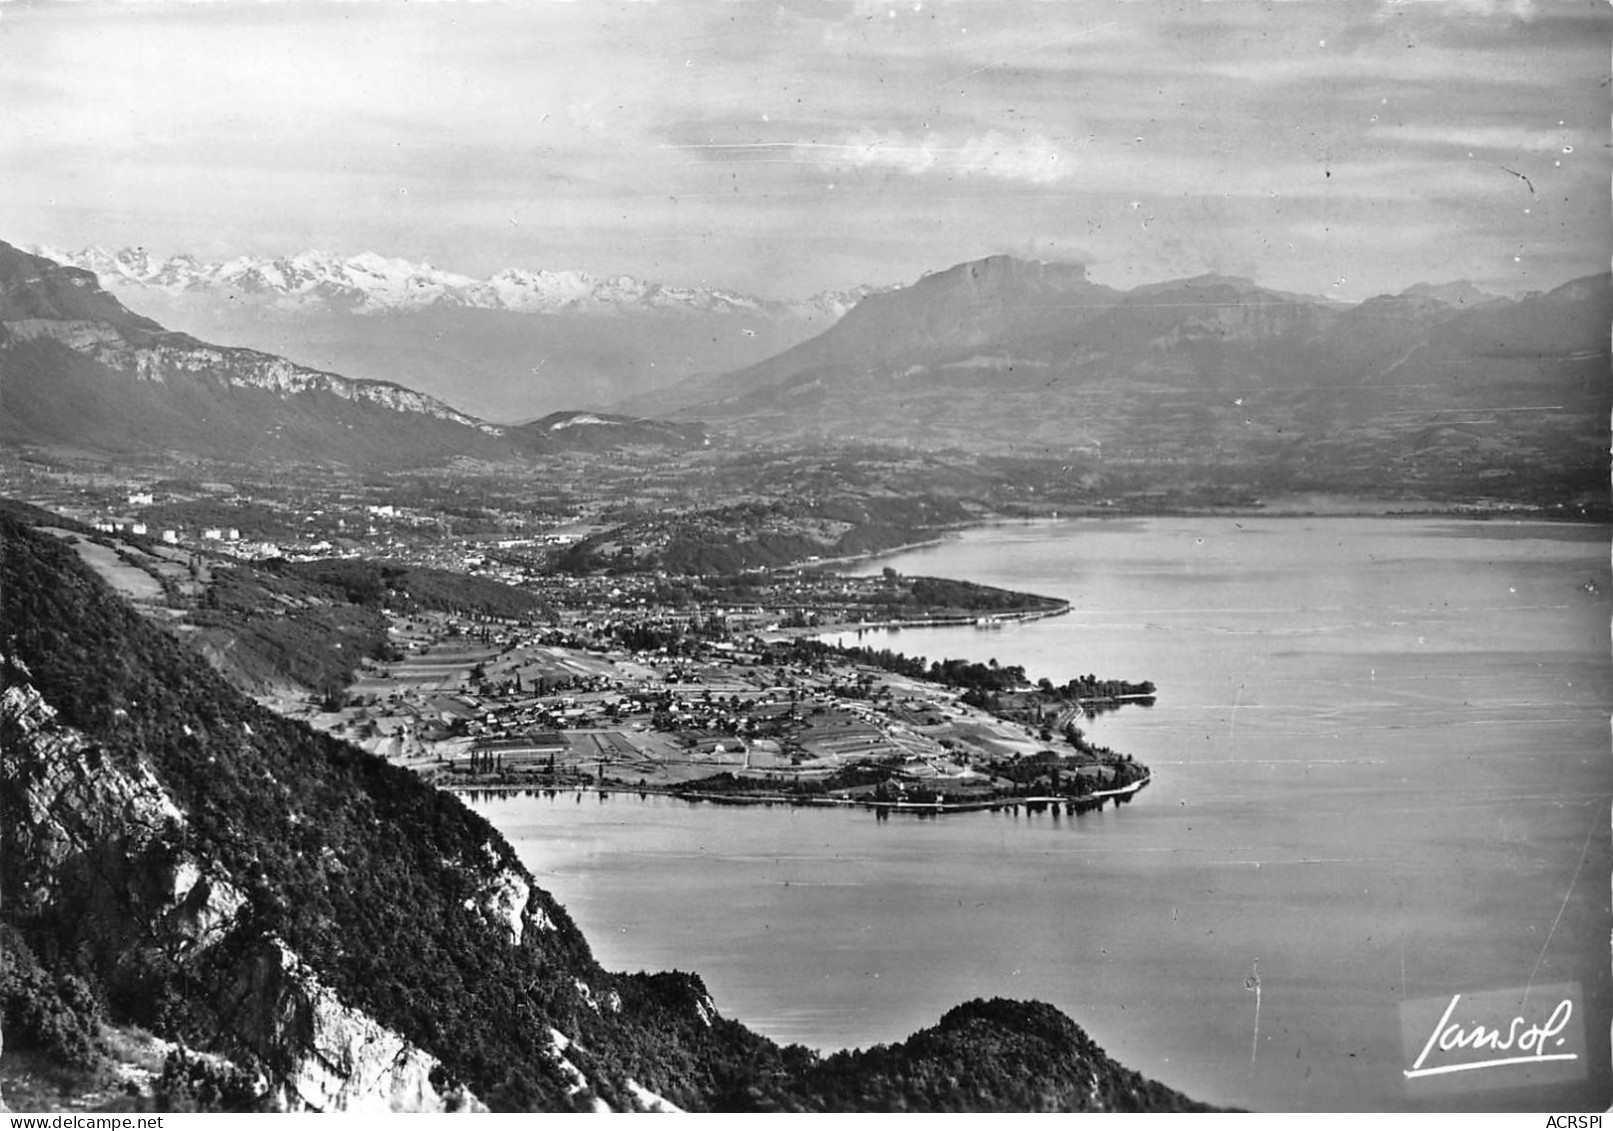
x=1344 y=508
x=1090 y=801
x=989 y=621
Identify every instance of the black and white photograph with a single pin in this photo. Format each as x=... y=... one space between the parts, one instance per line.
x=805 y=556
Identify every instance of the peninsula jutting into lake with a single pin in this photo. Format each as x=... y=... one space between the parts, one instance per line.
x=738 y=702
x=790 y=721
x=726 y=697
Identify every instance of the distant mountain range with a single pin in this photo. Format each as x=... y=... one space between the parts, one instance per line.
x=1204 y=387
x=512 y=346
x=79 y=370
x=1441 y=389
x=373 y=284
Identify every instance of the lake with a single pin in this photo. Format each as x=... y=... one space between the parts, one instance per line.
x=1381 y=769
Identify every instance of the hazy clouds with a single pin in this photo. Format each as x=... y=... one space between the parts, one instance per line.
x=1321 y=145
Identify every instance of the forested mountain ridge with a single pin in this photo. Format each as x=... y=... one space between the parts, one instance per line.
x=347 y=937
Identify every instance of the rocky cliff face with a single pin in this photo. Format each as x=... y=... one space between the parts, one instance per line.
x=77 y=367
x=173 y=357
x=96 y=830
x=40 y=300
x=85 y=829
x=70 y=799
x=325 y=1054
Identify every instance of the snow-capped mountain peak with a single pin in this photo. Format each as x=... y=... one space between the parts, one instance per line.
x=369 y=283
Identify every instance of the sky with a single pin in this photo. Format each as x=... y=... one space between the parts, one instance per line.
x=1338 y=147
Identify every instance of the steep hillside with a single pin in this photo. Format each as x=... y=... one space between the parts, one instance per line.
x=946 y=314
x=32 y=288
x=1440 y=392
x=78 y=369
x=343 y=936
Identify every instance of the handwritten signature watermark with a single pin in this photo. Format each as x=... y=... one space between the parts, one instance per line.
x=1498 y=1038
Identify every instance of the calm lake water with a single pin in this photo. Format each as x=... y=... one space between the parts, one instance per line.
x=1382 y=768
